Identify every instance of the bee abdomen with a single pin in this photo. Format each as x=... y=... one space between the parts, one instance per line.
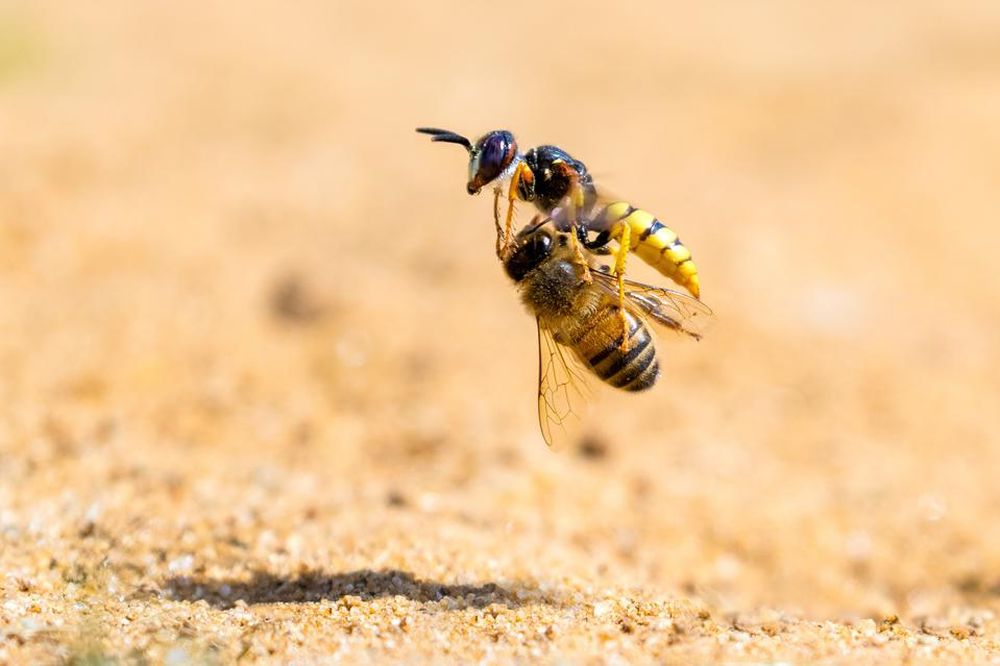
x=655 y=243
x=633 y=370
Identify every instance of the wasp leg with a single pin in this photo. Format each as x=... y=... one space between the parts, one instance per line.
x=501 y=240
x=597 y=246
x=522 y=171
x=600 y=243
x=624 y=243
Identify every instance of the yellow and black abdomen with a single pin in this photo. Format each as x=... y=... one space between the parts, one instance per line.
x=654 y=242
x=597 y=341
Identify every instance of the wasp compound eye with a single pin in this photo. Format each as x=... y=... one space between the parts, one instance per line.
x=491 y=156
x=529 y=254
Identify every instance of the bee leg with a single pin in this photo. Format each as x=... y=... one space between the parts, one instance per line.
x=578 y=257
x=624 y=243
x=579 y=231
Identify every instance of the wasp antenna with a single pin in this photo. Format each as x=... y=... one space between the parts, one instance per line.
x=446 y=136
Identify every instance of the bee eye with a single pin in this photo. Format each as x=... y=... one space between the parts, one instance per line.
x=491 y=155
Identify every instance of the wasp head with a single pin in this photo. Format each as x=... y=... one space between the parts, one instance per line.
x=489 y=158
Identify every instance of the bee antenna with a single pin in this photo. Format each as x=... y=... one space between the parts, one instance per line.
x=446 y=136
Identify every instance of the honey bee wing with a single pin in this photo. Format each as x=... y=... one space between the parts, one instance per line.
x=563 y=392
x=671 y=309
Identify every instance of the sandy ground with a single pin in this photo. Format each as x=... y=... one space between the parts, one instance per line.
x=267 y=395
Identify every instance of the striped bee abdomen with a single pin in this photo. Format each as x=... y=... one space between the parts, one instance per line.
x=654 y=242
x=599 y=346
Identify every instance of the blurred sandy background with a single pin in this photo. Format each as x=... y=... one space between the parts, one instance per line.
x=267 y=394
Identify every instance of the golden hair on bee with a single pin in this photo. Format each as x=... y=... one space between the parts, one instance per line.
x=585 y=327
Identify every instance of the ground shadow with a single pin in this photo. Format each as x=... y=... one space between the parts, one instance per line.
x=312 y=586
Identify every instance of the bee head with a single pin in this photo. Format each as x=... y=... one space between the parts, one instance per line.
x=534 y=245
x=488 y=158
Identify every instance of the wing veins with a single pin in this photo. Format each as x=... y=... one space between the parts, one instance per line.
x=560 y=389
x=669 y=308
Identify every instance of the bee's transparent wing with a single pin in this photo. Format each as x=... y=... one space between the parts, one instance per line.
x=563 y=392
x=671 y=309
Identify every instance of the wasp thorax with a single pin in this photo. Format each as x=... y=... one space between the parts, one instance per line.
x=490 y=157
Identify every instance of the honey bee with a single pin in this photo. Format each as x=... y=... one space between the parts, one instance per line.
x=562 y=188
x=583 y=324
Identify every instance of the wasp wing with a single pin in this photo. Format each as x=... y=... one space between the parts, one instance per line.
x=595 y=209
x=563 y=392
x=671 y=309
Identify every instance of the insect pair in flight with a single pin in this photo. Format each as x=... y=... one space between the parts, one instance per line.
x=591 y=319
